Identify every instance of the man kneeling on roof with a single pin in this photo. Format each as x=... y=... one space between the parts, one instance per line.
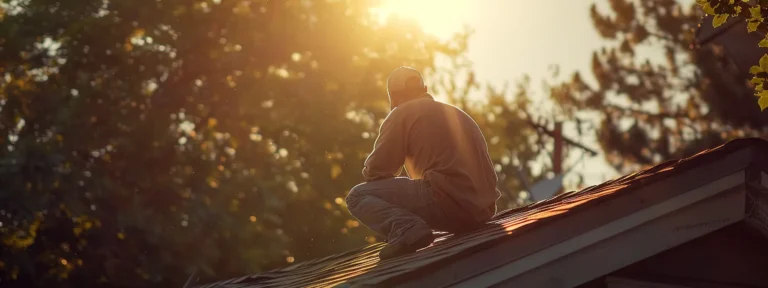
x=451 y=185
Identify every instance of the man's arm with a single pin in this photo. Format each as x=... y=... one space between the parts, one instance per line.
x=388 y=155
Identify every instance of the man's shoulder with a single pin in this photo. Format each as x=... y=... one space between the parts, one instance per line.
x=419 y=105
x=429 y=107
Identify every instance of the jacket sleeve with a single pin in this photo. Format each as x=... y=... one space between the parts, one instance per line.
x=388 y=155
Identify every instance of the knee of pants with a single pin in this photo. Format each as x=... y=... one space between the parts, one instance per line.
x=354 y=196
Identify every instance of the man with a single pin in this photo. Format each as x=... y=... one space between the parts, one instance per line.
x=451 y=185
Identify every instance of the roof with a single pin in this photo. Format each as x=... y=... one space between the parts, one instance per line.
x=361 y=267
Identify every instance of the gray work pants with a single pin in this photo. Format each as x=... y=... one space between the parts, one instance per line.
x=399 y=208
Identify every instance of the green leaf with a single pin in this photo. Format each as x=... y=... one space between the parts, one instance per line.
x=763 y=102
x=755 y=12
x=762 y=94
x=756 y=80
x=764 y=63
x=719 y=20
x=752 y=26
x=708 y=9
x=755 y=70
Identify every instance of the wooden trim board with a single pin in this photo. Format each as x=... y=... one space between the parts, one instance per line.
x=758 y=206
x=639 y=243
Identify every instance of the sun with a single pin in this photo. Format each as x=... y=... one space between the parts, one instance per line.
x=441 y=18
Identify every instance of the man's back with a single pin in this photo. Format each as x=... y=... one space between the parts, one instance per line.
x=452 y=185
x=444 y=145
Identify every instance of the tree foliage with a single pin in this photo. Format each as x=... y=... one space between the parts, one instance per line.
x=143 y=140
x=657 y=98
x=722 y=10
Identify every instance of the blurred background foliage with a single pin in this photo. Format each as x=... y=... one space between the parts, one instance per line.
x=142 y=141
x=146 y=140
x=654 y=111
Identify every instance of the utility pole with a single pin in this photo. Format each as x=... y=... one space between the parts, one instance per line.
x=560 y=141
x=557 y=157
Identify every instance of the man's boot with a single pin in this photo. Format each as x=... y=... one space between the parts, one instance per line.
x=416 y=238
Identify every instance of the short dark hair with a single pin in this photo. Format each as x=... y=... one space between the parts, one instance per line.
x=413 y=83
x=413 y=87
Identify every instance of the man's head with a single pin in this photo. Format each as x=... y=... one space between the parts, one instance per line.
x=404 y=84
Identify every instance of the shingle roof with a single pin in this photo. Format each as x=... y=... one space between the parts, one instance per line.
x=362 y=267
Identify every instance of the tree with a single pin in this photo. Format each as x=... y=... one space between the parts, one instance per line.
x=656 y=110
x=143 y=141
x=722 y=10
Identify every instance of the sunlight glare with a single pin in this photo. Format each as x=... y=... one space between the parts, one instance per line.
x=437 y=17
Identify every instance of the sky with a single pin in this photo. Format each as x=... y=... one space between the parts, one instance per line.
x=513 y=38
